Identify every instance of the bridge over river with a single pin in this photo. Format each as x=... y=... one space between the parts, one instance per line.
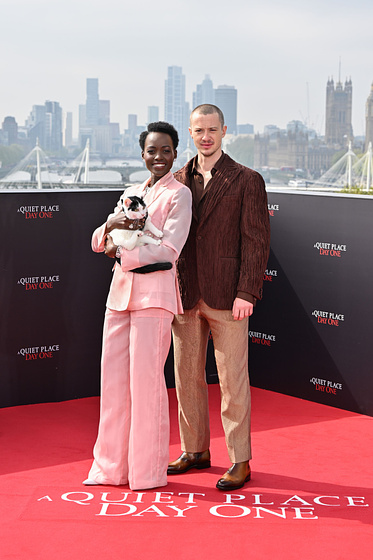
x=37 y=170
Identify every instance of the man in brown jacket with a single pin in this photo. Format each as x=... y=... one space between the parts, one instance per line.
x=220 y=273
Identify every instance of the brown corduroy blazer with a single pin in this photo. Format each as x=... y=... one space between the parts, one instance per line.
x=227 y=249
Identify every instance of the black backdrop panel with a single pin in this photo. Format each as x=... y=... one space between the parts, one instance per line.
x=53 y=290
x=311 y=334
x=310 y=337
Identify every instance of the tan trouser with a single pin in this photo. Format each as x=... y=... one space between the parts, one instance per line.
x=230 y=337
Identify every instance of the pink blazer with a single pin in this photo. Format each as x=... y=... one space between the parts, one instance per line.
x=170 y=207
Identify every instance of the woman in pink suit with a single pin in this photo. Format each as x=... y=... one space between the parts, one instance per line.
x=133 y=438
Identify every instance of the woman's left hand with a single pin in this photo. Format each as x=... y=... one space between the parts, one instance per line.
x=110 y=248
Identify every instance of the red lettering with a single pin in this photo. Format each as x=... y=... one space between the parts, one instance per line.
x=31 y=356
x=331 y=390
x=319 y=387
x=43 y=355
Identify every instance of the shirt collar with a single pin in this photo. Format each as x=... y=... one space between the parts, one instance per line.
x=216 y=167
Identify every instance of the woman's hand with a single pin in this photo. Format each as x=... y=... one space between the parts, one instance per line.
x=110 y=248
x=120 y=221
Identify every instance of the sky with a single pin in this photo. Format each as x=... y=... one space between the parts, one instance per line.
x=278 y=54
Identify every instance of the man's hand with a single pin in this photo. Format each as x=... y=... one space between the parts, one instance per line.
x=110 y=248
x=241 y=309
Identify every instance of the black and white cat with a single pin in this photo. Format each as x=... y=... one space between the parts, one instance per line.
x=134 y=208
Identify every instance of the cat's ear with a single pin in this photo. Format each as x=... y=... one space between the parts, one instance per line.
x=127 y=202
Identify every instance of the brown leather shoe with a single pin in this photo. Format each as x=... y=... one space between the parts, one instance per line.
x=188 y=461
x=235 y=477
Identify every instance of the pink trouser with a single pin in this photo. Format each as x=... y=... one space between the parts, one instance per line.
x=133 y=438
x=230 y=337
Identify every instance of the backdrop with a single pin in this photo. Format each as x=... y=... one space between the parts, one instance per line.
x=310 y=336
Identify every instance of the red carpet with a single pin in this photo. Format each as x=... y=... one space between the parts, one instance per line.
x=311 y=494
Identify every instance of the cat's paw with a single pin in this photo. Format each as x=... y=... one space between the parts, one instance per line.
x=159 y=241
x=160 y=234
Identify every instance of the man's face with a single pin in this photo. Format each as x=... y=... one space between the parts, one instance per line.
x=207 y=133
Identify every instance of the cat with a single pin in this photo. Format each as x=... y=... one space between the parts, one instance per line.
x=134 y=208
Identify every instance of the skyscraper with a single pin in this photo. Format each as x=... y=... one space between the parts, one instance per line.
x=153 y=113
x=132 y=122
x=10 y=130
x=92 y=105
x=94 y=122
x=53 y=124
x=68 y=130
x=338 y=127
x=176 y=109
x=204 y=93
x=45 y=125
x=103 y=111
x=226 y=100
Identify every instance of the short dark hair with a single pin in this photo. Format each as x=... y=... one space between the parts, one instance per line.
x=209 y=109
x=160 y=126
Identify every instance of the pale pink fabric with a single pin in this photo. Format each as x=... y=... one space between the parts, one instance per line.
x=170 y=205
x=133 y=439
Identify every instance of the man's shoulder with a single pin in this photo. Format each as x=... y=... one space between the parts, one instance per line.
x=227 y=166
x=228 y=162
x=182 y=174
x=241 y=174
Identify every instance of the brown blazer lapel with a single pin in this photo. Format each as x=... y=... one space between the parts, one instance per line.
x=183 y=175
x=222 y=178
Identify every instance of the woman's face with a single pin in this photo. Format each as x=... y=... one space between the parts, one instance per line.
x=159 y=154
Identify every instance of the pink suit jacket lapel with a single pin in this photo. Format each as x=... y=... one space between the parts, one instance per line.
x=159 y=187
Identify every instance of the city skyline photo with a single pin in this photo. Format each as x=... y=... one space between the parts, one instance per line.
x=278 y=56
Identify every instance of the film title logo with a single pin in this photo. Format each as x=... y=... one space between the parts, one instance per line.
x=330 y=249
x=326 y=386
x=148 y=505
x=272 y=208
x=38 y=212
x=38 y=352
x=328 y=318
x=269 y=275
x=38 y=282
x=262 y=338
